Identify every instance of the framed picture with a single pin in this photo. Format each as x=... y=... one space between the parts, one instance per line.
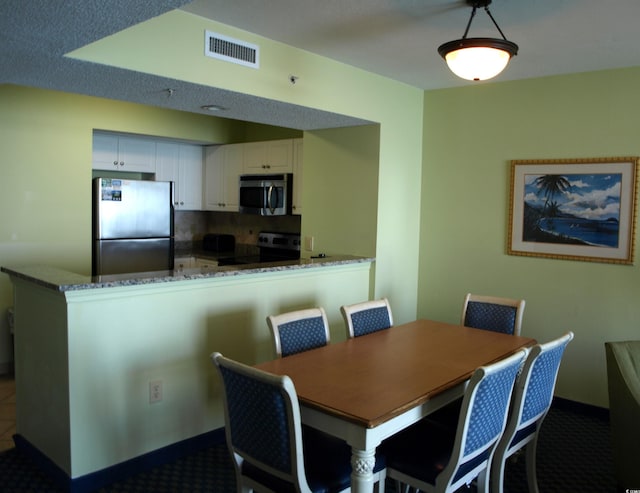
x=575 y=209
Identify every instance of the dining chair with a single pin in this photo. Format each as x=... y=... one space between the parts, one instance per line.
x=531 y=401
x=300 y=330
x=492 y=313
x=367 y=317
x=434 y=457
x=270 y=448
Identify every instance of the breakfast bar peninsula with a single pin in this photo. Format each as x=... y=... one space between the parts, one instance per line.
x=111 y=368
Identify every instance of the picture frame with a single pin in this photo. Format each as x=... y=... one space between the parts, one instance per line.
x=574 y=209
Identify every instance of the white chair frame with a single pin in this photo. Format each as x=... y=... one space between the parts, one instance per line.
x=505 y=447
x=445 y=482
x=297 y=476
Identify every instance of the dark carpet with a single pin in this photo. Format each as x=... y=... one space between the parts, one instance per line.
x=574 y=455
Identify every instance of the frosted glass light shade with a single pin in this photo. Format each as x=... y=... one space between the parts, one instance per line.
x=477 y=63
x=477 y=58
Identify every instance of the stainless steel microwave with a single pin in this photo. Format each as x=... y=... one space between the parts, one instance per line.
x=266 y=195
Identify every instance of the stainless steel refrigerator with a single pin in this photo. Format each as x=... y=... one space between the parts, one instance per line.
x=132 y=226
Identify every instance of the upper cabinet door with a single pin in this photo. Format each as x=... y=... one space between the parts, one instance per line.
x=168 y=163
x=190 y=177
x=137 y=154
x=105 y=151
x=274 y=156
x=182 y=164
x=223 y=166
x=232 y=170
x=119 y=153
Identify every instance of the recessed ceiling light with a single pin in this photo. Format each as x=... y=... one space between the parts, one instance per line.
x=214 y=107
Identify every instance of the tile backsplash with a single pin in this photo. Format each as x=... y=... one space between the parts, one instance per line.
x=191 y=226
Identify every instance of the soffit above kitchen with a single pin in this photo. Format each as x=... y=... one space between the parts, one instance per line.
x=394 y=38
x=35 y=36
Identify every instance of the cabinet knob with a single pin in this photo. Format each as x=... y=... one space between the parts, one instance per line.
x=121 y=163
x=115 y=163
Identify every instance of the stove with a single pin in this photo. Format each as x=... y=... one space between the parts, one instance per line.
x=274 y=247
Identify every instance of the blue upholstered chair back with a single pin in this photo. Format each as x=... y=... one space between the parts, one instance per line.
x=258 y=420
x=483 y=417
x=297 y=331
x=490 y=313
x=263 y=428
x=301 y=335
x=538 y=389
x=367 y=317
x=489 y=316
x=532 y=399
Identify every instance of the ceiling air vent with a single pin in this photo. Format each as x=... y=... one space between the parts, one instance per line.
x=231 y=50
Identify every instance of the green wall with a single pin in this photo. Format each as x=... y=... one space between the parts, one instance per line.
x=471 y=135
x=341 y=174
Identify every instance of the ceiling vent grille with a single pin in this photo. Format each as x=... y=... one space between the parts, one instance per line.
x=231 y=50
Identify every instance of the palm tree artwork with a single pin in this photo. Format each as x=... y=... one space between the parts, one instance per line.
x=550 y=186
x=577 y=209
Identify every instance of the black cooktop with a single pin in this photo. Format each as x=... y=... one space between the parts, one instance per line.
x=249 y=259
x=254 y=259
x=274 y=247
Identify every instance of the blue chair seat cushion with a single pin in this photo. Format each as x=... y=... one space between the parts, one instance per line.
x=423 y=450
x=327 y=462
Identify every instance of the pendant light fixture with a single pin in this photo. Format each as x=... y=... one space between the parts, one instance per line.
x=478 y=58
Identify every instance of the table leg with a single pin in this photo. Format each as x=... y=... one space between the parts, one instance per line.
x=362 y=462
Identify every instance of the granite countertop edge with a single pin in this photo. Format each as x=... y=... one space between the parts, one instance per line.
x=63 y=280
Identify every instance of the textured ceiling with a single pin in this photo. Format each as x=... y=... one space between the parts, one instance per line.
x=399 y=38
x=394 y=38
x=35 y=35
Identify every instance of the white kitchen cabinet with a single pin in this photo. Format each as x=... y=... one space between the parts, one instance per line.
x=181 y=263
x=191 y=173
x=202 y=263
x=123 y=153
x=273 y=156
x=296 y=207
x=182 y=164
x=223 y=167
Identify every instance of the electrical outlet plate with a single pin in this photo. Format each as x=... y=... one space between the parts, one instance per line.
x=155 y=391
x=308 y=243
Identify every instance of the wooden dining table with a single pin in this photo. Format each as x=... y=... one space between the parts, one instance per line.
x=366 y=389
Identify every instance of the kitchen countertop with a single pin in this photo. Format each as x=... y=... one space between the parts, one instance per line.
x=63 y=280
